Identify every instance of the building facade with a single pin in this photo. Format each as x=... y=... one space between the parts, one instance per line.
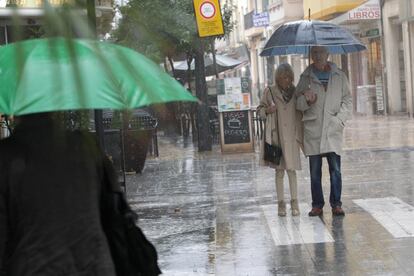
x=261 y=19
x=31 y=17
x=381 y=78
x=234 y=45
x=280 y=12
x=398 y=26
x=365 y=69
x=255 y=36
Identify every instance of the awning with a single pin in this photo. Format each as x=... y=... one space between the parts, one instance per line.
x=370 y=10
x=22 y=12
x=222 y=61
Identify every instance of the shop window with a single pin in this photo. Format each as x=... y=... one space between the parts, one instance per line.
x=374 y=60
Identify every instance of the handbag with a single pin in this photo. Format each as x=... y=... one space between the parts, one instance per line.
x=132 y=253
x=273 y=153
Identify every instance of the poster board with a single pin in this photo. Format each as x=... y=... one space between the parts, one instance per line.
x=233 y=94
x=236 y=131
x=230 y=102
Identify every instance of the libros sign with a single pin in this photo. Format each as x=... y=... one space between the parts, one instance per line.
x=369 y=10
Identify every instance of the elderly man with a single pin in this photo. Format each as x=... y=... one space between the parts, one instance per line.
x=325 y=100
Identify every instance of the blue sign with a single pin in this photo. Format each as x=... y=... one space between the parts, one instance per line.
x=261 y=19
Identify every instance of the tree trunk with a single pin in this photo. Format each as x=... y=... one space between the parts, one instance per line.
x=203 y=122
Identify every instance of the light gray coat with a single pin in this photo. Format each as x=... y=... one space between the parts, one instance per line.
x=290 y=128
x=325 y=120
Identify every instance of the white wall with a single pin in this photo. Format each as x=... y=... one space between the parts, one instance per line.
x=408 y=31
x=391 y=43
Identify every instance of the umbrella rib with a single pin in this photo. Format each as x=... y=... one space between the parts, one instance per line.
x=305 y=45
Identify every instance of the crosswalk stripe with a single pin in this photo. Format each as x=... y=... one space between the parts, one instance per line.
x=295 y=230
x=392 y=213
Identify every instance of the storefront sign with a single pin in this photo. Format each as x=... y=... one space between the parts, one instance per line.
x=236 y=127
x=371 y=33
x=235 y=115
x=261 y=19
x=208 y=17
x=369 y=10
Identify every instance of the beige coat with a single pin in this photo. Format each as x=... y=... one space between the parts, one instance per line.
x=325 y=120
x=290 y=128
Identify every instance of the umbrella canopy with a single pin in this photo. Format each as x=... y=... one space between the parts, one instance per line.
x=297 y=37
x=54 y=74
x=223 y=63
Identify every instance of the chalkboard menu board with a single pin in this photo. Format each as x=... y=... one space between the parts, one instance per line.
x=236 y=127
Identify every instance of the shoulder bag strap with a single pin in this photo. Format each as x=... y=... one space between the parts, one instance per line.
x=277 y=117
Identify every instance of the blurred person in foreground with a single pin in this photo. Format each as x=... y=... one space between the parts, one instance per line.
x=326 y=103
x=278 y=106
x=53 y=217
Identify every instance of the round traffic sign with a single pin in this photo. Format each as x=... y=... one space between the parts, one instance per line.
x=207 y=10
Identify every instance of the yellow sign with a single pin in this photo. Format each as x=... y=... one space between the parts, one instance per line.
x=208 y=16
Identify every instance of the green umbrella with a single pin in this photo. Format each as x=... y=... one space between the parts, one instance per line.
x=53 y=74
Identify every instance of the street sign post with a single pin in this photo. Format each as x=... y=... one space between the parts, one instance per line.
x=208 y=16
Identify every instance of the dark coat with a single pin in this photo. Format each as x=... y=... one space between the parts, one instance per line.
x=50 y=183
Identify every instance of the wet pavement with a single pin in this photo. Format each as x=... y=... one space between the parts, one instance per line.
x=216 y=214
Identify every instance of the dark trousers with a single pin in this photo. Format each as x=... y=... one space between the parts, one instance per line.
x=315 y=164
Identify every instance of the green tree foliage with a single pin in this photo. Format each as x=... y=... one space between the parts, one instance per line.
x=162 y=28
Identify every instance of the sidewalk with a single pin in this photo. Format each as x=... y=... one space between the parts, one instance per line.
x=215 y=214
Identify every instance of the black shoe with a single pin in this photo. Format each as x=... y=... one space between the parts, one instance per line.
x=337 y=211
x=315 y=212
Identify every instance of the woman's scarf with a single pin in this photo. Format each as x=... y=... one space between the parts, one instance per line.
x=288 y=93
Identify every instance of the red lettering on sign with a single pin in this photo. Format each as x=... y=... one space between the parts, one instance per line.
x=370 y=14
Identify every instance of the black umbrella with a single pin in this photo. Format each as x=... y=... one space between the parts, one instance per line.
x=297 y=37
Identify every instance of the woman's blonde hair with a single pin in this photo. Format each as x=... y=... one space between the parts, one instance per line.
x=284 y=69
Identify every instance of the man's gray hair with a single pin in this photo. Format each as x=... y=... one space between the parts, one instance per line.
x=284 y=69
x=321 y=47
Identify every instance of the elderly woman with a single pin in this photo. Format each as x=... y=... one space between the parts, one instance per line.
x=284 y=128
